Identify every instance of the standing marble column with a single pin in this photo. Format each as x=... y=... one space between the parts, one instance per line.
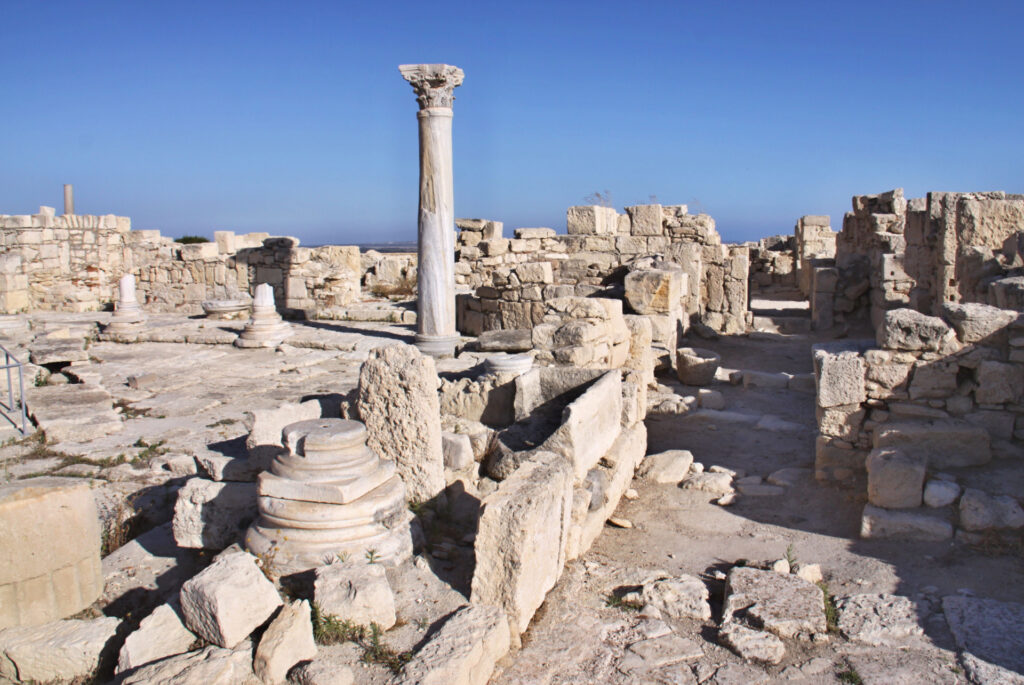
x=69 y=199
x=435 y=304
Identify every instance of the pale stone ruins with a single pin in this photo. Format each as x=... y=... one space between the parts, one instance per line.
x=623 y=453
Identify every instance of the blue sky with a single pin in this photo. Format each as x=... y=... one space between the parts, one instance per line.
x=292 y=117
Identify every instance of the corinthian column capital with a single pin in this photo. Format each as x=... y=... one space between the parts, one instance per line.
x=433 y=83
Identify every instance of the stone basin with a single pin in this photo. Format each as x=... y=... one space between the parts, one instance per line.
x=696 y=365
x=226 y=309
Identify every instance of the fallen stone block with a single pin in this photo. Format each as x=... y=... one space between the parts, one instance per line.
x=159 y=635
x=229 y=599
x=895 y=478
x=981 y=511
x=753 y=645
x=878 y=523
x=666 y=467
x=73 y=413
x=683 y=596
x=356 y=592
x=50 y=537
x=324 y=671
x=785 y=605
x=910 y=330
x=975 y=322
x=264 y=441
x=458 y=450
x=516 y=340
x=714 y=483
x=287 y=641
x=57 y=651
x=212 y=515
x=878 y=619
x=940 y=493
x=590 y=424
x=666 y=650
x=210 y=666
x=463 y=652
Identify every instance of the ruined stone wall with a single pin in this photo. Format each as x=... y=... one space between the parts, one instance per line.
x=929 y=395
x=73 y=263
x=773 y=264
x=510 y=282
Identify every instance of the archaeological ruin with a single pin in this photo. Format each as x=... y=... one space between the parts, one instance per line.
x=618 y=451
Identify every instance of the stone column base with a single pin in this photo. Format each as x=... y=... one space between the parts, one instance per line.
x=437 y=346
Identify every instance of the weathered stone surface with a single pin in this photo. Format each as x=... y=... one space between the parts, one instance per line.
x=159 y=635
x=976 y=322
x=666 y=650
x=940 y=493
x=754 y=645
x=56 y=651
x=881 y=523
x=990 y=635
x=666 y=467
x=324 y=671
x=264 y=441
x=933 y=380
x=945 y=443
x=878 y=619
x=999 y=382
x=463 y=652
x=696 y=366
x=839 y=373
x=683 y=596
x=590 y=424
x=212 y=515
x=906 y=329
x=77 y=412
x=591 y=220
x=654 y=291
x=458 y=450
x=522 y=536
x=228 y=600
x=399 y=404
x=58 y=351
x=895 y=478
x=287 y=641
x=785 y=605
x=645 y=220
x=210 y=666
x=357 y=592
x=981 y=511
x=517 y=340
x=714 y=483
x=48 y=576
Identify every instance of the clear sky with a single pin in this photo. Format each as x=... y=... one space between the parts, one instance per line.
x=291 y=117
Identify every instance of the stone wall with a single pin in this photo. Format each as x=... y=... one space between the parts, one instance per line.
x=773 y=264
x=510 y=277
x=932 y=399
x=73 y=263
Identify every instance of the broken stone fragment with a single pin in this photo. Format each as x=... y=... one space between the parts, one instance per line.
x=463 y=652
x=212 y=515
x=357 y=591
x=878 y=619
x=666 y=467
x=785 y=605
x=59 y=651
x=895 y=478
x=228 y=599
x=210 y=666
x=287 y=641
x=159 y=635
x=879 y=523
x=714 y=483
x=682 y=596
x=753 y=645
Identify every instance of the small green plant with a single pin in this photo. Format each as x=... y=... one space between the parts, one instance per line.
x=791 y=557
x=191 y=239
x=372 y=557
x=613 y=601
x=850 y=676
x=40 y=380
x=331 y=630
x=149 y=451
x=376 y=652
x=120 y=529
x=222 y=422
x=266 y=561
x=831 y=612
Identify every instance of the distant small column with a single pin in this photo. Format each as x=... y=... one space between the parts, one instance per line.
x=69 y=199
x=265 y=327
x=435 y=304
x=127 y=314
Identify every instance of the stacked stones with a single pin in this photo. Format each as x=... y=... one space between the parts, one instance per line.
x=328 y=497
x=772 y=263
x=128 y=316
x=933 y=394
x=265 y=328
x=588 y=332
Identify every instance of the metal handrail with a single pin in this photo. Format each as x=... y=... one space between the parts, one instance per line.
x=11 y=362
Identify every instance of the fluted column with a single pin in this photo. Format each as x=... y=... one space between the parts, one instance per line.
x=435 y=303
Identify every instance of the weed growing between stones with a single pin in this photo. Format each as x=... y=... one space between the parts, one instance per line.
x=149 y=451
x=831 y=613
x=613 y=601
x=791 y=556
x=331 y=630
x=850 y=676
x=121 y=529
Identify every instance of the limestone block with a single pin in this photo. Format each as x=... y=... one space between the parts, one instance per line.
x=287 y=641
x=645 y=220
x=940 y=493
x=936 y=379
x=57 y=574
x=590 y=424
x=61 y=651
x=521 y=538
x=355 y=591
x=878 y=523
x=878 y=619
x=999 y=382
x=654 y=291
x=696 y=365
x=978 y=322
x=981 y=511
x=842 y=421
x=754 y=645
x=213 y=515
x=641 y=356
x=159 y=635
x=895 y=479
x=228 y=599
x=666 y=467
x=198 y=251
x=839 y=374
x=785 y=605
x=463 y=652
x=678 y=597
x=265 y=426
x=906 y=329
x=458 y=450
x=591 y=220
x=210 y=666
x=534 y=272
x=945 y=443
x=535 y=233
x=397 y=399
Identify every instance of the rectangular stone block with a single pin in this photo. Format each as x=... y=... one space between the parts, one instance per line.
x=944 y=443
x=591 y=220
x=645 y=220
x=839 y=374
x=590 y=424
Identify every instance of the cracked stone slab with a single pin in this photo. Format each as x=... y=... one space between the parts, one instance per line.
x=785 y=605
x=73 y=412
x=684 y=596
x=879 y=619
x=753 y=645
x=666 y=651
x=990 y=635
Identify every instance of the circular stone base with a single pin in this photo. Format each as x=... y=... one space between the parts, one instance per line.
x=437 y=346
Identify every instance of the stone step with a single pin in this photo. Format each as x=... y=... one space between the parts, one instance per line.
x=782 y=324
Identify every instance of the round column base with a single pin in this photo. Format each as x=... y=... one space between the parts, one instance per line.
x=437 y=346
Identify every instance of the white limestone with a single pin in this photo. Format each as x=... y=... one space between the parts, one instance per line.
x=265 y=328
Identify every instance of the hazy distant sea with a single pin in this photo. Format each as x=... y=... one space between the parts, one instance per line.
x=409 y=246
